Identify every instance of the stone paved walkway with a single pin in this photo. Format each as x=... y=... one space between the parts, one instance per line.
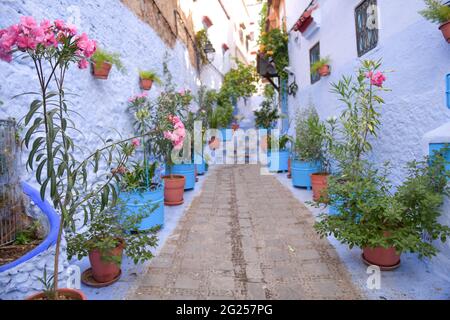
x=245 y=237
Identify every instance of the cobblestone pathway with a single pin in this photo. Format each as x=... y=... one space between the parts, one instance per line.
x=245 y=237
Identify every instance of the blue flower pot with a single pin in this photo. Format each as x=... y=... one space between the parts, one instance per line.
x=278 y=161
x=136 y=201
x=301 y=173
x=186 y=170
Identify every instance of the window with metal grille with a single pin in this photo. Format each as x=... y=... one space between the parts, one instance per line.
x=366 y=16
x=314 y=56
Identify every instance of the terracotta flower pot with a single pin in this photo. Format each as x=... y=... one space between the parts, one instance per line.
x=70 y=294
x=445 y=28
x=235 y=126
x=386 y=259
x=174 y=189
x=324 y=71
x=319 y=185
x=104 y=270
x=102 y=71
x=146 y=84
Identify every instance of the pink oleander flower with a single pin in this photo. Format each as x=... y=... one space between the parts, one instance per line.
x=377 y=79
x=86 y=46
x=28 y=22
x=137 y=97
x=83 y=64
x=178 y=134
x=60 y=24
x=136 y=143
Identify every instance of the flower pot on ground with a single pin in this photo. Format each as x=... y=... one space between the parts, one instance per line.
x=105 y=264
x=322 y=66
x=289 y=175
x=307 y=147
x=63 y=294
x=278 y=153
x=319 y=182
x=385 y=258
x=141 y=189
x=174 y=190
x=186 y=170
x=146 y=79
x=439 y=13
x=102 y=62
x=109 y=233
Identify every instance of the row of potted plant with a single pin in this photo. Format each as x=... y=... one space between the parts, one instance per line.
x=332 y=158
x=122 y=210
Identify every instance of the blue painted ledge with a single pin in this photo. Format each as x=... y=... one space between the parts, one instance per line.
x=53 y=220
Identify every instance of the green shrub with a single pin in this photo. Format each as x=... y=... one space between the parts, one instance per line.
x=309 y=137
x=436 y=11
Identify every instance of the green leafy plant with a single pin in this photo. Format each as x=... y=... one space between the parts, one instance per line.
x=29 y=234
x=48 y=284
x=101 y=56
x=267 y=116
x=371 y=216
x=309 y=137
x=319 y=64
x=436 y=11
x=274 y=44
x=239 y=82
x=150 y=75
x=108 y=229
x=201 y=39
x=360 y=119
x=140 y=178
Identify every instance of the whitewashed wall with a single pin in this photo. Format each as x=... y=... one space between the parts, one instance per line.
x=412 y=48
x=102 y=103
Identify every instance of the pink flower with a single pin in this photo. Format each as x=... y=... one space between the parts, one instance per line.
x=136 y=143
x=86 y=46
x=376 y=79
x=25 y=42
x=60 y=24
x=83 y=64
x=28 y=22
x=71 y=29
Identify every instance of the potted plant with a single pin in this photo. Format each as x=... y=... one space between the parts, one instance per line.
x=307 y=153
x=140 y=187
x=278 y=154
x=438 y=12
x=382 y=224
x=102 y=62
x=322 y=66
x=105 y=239
x=146 y=79
x=319 y=180
x=62 y=174
x=268 y=114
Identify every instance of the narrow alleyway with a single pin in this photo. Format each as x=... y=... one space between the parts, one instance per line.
x=245 y=237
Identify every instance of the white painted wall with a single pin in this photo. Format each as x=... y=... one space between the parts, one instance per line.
x=412 y=48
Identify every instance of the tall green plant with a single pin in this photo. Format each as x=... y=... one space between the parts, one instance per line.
x=309 y=136
x=61 y=168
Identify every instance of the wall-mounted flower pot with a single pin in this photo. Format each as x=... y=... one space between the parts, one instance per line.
x=278 y=161
x=445 y=28
x=135 y=203
x=186 y=170
x=69 y=294
x=103 y=269
x=101 y=71
x=301 y=173
x=386 y=258
x=324 y=71
x=319 y=183
x=174 y=190
x=146 y=84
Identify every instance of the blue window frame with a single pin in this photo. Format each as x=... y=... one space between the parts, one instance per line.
x=448 y=90
x=443 y=148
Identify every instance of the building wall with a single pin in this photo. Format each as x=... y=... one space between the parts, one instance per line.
x=418 y=56
x=117 y=29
